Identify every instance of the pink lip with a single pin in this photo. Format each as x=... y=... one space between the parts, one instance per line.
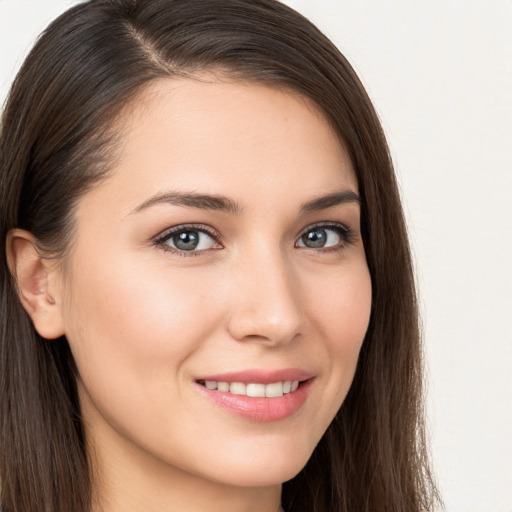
x=260 y=409
x=261 y=376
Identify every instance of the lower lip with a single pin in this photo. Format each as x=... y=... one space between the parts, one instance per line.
x=261 y=409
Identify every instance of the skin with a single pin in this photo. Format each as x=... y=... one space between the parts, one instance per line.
x=144 y=322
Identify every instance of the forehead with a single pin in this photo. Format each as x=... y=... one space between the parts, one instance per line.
x=230 y=138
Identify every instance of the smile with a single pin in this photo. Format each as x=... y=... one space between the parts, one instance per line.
x=258 y=395
x=257 y=390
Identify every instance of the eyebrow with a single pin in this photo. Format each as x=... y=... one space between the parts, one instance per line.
x=328 y=201
x=193 y=200
x=225 y=204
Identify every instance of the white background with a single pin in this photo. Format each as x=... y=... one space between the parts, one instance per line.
x=440 y=74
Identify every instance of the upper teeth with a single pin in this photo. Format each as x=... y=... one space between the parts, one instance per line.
x=256 y=390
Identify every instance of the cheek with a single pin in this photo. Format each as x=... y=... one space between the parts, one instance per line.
x=129 y=326
x=342 y=314
x=344 y=308
x=124 y=297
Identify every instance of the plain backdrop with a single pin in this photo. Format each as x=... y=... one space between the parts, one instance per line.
x=440 y=75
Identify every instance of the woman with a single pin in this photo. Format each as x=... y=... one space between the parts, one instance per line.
x=207 y=293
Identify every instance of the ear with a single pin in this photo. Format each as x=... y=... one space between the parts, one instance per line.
x=36 y=279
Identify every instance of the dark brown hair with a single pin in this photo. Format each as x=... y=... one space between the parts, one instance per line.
x=57 y=141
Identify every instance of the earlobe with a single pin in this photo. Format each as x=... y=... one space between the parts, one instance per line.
x=36 y=283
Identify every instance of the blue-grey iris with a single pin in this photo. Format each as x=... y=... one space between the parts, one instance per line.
x=315 y=238
x=186 y=241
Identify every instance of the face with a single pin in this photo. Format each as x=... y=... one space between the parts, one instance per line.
x=217 y=293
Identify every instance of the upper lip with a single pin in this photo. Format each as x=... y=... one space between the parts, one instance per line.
x=260 y=376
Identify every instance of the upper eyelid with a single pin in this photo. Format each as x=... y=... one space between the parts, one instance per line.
x=168 y=232
x=325 y=224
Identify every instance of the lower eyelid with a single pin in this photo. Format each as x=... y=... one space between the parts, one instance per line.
x=161 y=240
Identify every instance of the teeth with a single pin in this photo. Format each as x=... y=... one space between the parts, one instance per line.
x=274 y=389
x=223 y=386
x=237 y=388
x=256 y=390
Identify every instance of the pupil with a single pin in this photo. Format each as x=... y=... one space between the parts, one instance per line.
x=315 y=239
x=186 y=241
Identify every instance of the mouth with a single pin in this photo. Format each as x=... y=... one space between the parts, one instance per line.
x=253 y=389
x=259 y=396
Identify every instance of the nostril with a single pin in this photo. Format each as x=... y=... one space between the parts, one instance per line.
x=263 y=328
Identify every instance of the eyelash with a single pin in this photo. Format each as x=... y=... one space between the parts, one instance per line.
x=344 y=232
x=347 y=235
x=161 y=239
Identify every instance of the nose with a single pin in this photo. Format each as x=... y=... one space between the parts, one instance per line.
x=265 y=304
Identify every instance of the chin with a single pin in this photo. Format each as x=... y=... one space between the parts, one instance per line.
x=273 y=473
x=262 y=466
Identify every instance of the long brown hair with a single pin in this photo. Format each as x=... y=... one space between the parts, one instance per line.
x=56 y=143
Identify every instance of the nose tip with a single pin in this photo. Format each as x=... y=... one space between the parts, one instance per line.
x=272 y=329
x=265 y=307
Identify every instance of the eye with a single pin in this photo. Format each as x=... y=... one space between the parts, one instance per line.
x=325 y=237
x=188 y=239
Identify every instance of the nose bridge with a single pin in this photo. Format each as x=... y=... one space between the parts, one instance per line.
x=266 y=303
